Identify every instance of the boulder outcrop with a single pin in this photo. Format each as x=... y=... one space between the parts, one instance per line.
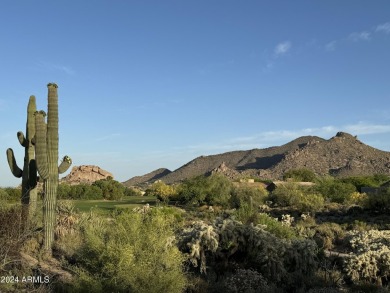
x=86 y=174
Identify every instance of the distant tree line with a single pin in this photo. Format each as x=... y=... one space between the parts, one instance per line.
x=219 y=191
x=109 y=189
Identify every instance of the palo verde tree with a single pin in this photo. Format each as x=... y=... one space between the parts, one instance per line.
x=29 y=172
x=46 y=150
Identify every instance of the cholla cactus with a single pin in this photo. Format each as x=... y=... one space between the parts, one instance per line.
x=287 y=220
x=195 y=240
x=143 y=210
x=371 y=259
x=276 y=259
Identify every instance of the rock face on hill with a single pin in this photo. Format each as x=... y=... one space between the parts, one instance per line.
x=225 y=171
x=86 y=174
x=147 y=178
x=341 y=155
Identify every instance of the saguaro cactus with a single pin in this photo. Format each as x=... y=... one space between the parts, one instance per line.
x=46 y=150
x=29 y=172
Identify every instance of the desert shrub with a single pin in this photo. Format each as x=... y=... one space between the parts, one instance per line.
x=278 y=228
x=246 y=280
x=211 y=190
x=248 y=215
x=327 y=234
x=3 y=195
x=132 y=253
x=366 y=181
x=357 y=198
x=11 y=234
x=300 y=175
x=358 y=225
x=68 y=238
x=254 y=196
x=378 y=201
x=162 y=191
x=130 y=191
x=14 y=193
x=294 y=196
x=10 y=194
x=370 y=261
x=13 y=237
x=334 y=190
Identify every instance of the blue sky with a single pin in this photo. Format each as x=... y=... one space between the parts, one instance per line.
x=149 y=84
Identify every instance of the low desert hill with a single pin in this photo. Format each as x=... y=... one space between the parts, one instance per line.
x=341 y=155
x=86 y=174
x=147 y=178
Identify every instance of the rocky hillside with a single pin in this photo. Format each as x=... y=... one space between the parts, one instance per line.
x=147 y=178
x=341 y=155
x=86 y=174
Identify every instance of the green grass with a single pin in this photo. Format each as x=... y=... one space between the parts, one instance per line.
x=106 y=206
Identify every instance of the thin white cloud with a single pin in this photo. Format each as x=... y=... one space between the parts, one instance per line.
x=331 y=46
x=55 y=67
x=385 y=28
x=282 y=48
x=367 y=128
x=108 y=137
x=362 y=36
x=278 y=137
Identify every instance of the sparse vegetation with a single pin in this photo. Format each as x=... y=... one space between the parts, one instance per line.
x=205 y=234
x=303 y=175
x=271 y=241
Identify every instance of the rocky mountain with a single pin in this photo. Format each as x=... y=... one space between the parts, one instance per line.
x=86 y=174
x=341 y=155
x=147 y=178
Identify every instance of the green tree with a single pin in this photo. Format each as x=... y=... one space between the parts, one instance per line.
x=213 y=190
x=302 y=199
x=334 y=189
x=110 y=188
x=64 y=191
x=161 y=190
x=300 y=175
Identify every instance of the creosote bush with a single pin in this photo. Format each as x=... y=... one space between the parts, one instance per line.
x=248 y=196
x=303 y=199
x=162 y=191
x=378 y=201
x=211 y=190
x=334 y=190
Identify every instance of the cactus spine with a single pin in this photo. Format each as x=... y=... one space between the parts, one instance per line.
x=46 y=149
x=29 y=172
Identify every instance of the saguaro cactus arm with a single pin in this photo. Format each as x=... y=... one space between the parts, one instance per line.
x=65 y=164
x=22 y=139
x=40 y=145
x=16 y=171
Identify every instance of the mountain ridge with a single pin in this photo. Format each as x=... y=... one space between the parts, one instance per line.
x=341 y=155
